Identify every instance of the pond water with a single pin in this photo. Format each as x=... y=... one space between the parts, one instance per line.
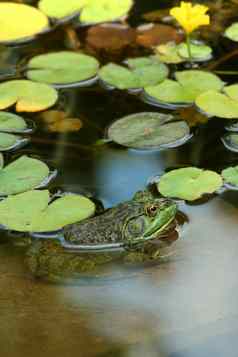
x=185 y=304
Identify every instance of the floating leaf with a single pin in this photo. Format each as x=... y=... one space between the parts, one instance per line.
x=189 y=183
x=148 y=131
x=214 y=103
x=186 y=89
x=22 y=175
x=12 y=123
x=63 y=211
x=155 y=35
x=8 y=141
x=105 y=10
x=232 y=32
x=27 y=95
x=230 y=141
x=142 y=72
x=230 y=175
x=29 y=211
x=90 y=11
x=62 y=68
x=168 y=53
x=199 y=52
x=110 y=38
x=19 y=22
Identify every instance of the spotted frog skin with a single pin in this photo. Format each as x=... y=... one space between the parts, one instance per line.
x=131 y=226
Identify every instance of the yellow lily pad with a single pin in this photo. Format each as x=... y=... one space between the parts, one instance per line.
x=27 y=95
x=19 y=21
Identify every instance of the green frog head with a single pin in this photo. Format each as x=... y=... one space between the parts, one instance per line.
x=150 y=220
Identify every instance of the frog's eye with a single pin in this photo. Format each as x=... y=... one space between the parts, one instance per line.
x=151 y=210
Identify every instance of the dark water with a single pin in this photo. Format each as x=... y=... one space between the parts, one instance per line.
x=184 y=306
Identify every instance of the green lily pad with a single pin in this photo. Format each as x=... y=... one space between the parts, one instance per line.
x=189 y=183
x=63 y=211
x=214 y=103
x=104 y=10
x=19 y=22
x=12 y=123
x=148 y=131
x=142 y=72
x=230 y=175
x=63 y=67
x=189 y=85
x=199 y=52
x=27 y=95
x=168 y=53
x=232 y=32
x=30 y=211
x=230 y=141
x=8 y=141
x=22 y=175
x=91 y=11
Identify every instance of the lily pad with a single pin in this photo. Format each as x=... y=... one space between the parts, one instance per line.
x=27 y=95
x=12 y=123
x=20 y=22
x=22 y=175
x=214 y=103
x=62 y=68
x=199 y=52
x=90 y=11
x=142 y=72
x=189 y=85
x=232 y=32
x=168 y=53
x=230 y=141
x=8 y=141
x=189 y=183
x=230 y=175
x=30 y=212
x=149 y=131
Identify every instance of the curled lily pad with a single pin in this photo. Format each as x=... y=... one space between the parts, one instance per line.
x=31 y=212
x=62 y=68
x=11 y=141
x=189 y=183
x=232 y=32
x=222 y=105
x=149 y=131
x=12 y=123
x=141 y=72
x=230 y=175
x=183 y=92
x=27 y=95
x=90 y=10
x=20 y=22
x=230 y=141
x=22 y=175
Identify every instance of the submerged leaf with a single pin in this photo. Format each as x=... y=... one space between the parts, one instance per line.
x=22 y=175
x=19 y=21
x=63 y=67
x=27 y=95
x=189 y=183
x=29 y=211
x=148 y=131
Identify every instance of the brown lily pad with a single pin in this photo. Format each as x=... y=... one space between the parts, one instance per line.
x=110 y=38
x=151 y=36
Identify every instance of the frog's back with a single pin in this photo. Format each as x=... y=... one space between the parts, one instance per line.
x=105 y=228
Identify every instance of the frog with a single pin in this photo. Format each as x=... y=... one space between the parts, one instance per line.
x=132 y=231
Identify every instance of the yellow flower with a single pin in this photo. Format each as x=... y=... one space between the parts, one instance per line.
x=190 y=17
